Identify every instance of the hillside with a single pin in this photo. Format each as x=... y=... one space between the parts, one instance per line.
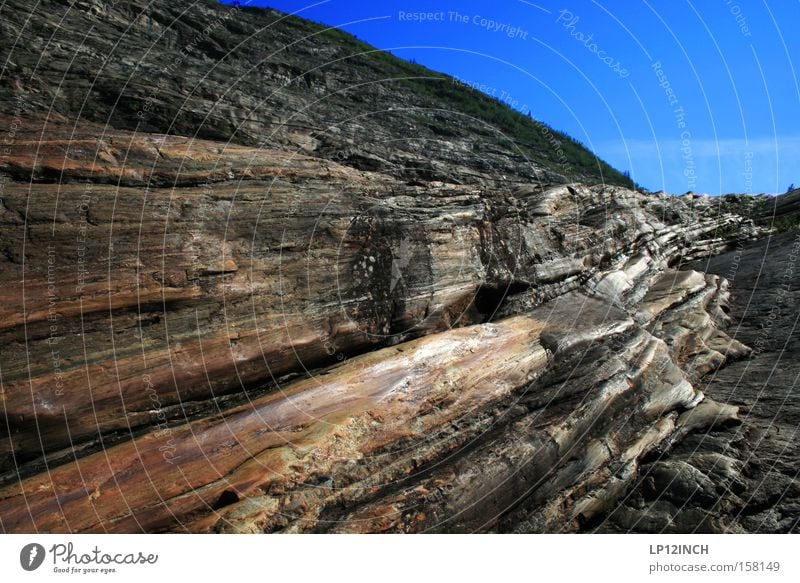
x=258 y=77
x=284 y=286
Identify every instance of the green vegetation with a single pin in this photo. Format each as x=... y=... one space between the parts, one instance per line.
x=533 y=139
x=784 y=223
x=761 y=210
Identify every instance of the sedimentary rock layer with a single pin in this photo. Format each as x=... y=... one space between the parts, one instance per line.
x=158 y=324
x=126 y=306
x=293 y=284
x=742 y=475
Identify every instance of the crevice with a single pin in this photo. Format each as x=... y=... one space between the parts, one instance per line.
x=491 y=297
x=227 y=498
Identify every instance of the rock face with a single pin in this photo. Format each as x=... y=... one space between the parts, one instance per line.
x=262 y=78
x=744 y=478
x=207 y=331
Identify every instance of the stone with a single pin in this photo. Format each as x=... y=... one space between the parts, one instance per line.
x=288 y=305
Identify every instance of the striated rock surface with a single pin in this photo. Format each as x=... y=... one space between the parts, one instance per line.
x=207 y=330
x=170 y=350
x=742 y=474
x=266 y=79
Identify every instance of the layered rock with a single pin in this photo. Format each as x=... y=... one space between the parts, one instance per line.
x=740 y=475
x=160 y=296
x=497 y=419
x=161 y=318
x=263 y=78
x=210 y=327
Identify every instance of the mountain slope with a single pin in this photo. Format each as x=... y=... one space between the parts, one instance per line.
x=259 y=77
x=328 y=308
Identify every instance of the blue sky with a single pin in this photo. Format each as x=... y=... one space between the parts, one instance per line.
x=700 y=96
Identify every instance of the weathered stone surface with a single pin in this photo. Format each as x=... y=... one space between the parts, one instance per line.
x=239 y=315
x=733 y=466
x=154 y=298
x=318 y=454
x=262 y=78
x=324 y=453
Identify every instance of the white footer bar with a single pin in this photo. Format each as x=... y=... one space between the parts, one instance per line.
x=397 y=558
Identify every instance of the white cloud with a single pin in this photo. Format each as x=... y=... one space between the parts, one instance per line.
x=702 y=148
x=714 y=166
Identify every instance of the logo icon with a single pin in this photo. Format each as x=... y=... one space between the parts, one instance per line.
x=31 y=556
